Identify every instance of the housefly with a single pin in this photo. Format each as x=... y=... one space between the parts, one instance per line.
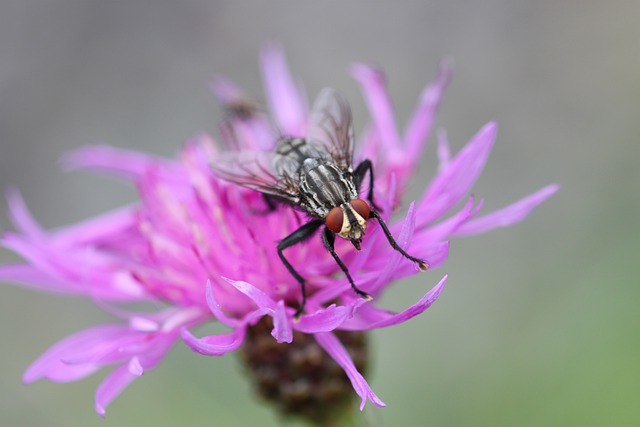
x=315 y=174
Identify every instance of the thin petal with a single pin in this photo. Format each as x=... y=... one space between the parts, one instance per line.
x=143 y=324
x=226 y=90
x=216 y=310
x=444 y=151
x=377 y=98
x=336 y=350
x=52 y=363
x=435 y=254
x=282 y=328
x=128 y=164
x=111 y=387
x=135 y=367
x=370 y=317
x=21 y=216
x=63 y=373
x=33 y=252
x=101 y=229
x=444 y=229
x=456 y=179
x=85 y=271
x=33 y=278
x=214 y=345
x=324 y=320
x=508 y=215
x=259 y=297
x=285 y=99
x=422 y=121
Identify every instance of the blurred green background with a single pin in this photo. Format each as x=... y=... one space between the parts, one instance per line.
x=538 y=325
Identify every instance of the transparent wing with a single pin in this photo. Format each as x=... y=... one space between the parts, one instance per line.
x=330 y=124
x=254 y=170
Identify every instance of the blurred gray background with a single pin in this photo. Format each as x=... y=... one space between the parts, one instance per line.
x=538 y=324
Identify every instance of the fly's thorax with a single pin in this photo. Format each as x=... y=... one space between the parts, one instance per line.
x=324 y=186
x=291 y=153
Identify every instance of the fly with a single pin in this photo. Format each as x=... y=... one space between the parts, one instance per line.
x=315 y=174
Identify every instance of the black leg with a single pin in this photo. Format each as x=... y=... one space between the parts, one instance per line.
x=300 y=235
x=421 y=264
x=328 y=238
x=358 y=176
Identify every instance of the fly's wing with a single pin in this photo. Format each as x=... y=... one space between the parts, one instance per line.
x=254 y=170
x=330 y=124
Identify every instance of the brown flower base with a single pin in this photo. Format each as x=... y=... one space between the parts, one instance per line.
x=300 y=378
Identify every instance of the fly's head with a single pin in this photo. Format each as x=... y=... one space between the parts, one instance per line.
x=349 y=220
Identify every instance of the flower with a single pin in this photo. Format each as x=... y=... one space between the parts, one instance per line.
x=204 y=247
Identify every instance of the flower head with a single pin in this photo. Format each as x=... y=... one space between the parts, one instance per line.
x=205 y=247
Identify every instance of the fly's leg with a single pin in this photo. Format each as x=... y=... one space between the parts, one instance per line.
x=300 y=235
x=421 y=263
x=328 y=238
x=358 y=176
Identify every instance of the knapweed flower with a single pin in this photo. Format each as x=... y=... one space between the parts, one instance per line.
x=206 y=248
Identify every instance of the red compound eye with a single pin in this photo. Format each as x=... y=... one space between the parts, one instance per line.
x=361 y=207
x=334 y=220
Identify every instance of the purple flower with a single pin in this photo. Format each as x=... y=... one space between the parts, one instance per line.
x=205 y=247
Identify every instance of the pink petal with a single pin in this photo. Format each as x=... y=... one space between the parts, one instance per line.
x=33 y=278
x=324 y=320
x=259 y=297
x=143 y=324
x=436 y=253
x=149 y=347
x=282 y=329
x=370 y=317
x=336 y=350
x=135 y=367
x=52 y=364
x=377 y=99
x=21 y=217
x=33 y=252
x=422 y=121
x=128 y=164
x=447 y=227
x=226 y=90
x=508 y=215
x=101 y=229
x=85 y=271
x=111 y=387
x=286 y=101
x=217 y=311
x=453 y=182
x=444 y=151
x=214 y=345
